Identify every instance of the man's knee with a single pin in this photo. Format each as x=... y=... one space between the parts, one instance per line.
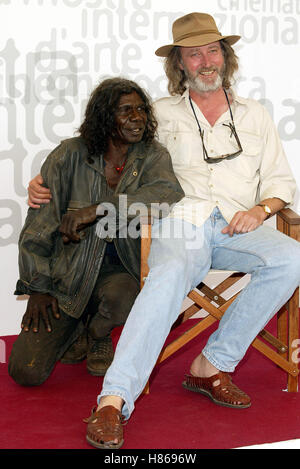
x=293 y=267
x=290 y=255
x=33 y=355
x=284 y=264
x=25 y=374
x=175 y=273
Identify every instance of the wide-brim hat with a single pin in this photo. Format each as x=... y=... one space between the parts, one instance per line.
x=194 y=29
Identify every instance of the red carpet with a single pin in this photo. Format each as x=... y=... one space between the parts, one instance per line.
x=50 y=416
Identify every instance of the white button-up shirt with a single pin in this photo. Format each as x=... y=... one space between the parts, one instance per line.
x=261 y=171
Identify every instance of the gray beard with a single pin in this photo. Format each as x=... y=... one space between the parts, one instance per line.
x=196 y=84
x=200 y=86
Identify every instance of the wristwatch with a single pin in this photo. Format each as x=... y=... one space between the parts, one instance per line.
x=267 y=210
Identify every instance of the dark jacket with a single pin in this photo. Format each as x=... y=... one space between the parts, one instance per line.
x=69 y=271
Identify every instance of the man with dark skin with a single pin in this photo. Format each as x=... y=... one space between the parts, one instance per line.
x=83 y=279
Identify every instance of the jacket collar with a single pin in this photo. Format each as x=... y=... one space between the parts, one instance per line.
x=136 y=151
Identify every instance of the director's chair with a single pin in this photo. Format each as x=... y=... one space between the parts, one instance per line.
x=280 y=349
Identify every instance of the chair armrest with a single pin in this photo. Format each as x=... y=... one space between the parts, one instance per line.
x=288 y=222
x=289 y=216
x=146 y=223
x=146 y=220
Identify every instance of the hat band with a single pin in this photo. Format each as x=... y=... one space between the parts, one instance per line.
x=197 y=33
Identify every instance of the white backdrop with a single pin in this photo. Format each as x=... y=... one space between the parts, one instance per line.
x=54 y=52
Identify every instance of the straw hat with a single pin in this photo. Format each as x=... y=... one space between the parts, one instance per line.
x=194 y=29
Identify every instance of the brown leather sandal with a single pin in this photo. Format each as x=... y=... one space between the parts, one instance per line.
x=220 y=389
x=105 y=428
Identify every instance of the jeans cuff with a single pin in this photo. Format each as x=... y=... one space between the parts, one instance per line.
x=215 y=363
x=126 y=411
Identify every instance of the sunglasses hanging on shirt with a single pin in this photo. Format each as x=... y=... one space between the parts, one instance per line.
x=228 y=156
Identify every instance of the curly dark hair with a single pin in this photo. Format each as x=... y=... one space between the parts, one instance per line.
x=99 y=121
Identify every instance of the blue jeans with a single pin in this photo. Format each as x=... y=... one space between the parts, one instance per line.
x=181 y=256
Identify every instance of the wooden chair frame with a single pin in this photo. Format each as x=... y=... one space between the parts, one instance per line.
x=281 y=349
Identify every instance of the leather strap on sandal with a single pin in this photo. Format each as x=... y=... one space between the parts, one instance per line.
x=105 y=428
x=220 y=389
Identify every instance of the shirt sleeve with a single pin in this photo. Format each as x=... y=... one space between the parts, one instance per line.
x=276 y=179
x=39 y=234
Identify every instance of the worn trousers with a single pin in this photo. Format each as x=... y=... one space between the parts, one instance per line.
x=34 y=355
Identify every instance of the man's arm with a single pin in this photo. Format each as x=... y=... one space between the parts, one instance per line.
x=73 y=222
x=36 y=245
x=276 y=187
x=37 y=193
x=245 y=221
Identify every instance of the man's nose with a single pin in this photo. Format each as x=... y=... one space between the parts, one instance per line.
x=205 y=62
x=136 y=114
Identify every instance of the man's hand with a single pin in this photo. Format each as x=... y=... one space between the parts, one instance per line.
x=74 y=221
x=243 y=222
x=37 y=194
x=36 y=307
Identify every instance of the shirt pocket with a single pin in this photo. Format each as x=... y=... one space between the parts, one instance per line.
x=247 y=164
x=184 y=145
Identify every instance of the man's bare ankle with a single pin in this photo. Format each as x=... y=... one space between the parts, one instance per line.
x=114 y=401
x=202 y=367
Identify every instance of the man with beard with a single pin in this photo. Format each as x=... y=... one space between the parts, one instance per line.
x=228 y=158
